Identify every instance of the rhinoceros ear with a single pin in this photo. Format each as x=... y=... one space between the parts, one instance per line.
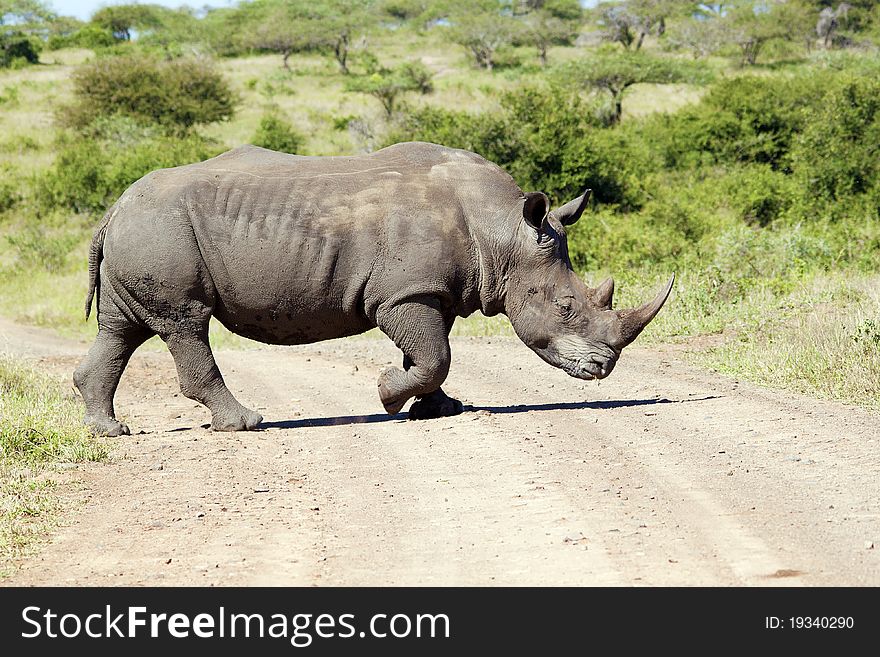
x=572 y=211
x=536 y=207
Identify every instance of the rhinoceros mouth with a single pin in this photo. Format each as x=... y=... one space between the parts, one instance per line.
x=584 y=371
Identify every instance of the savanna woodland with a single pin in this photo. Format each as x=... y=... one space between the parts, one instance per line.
x=735 y=143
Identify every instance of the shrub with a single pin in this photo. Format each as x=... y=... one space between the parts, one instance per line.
x=9 y=95
x=18 y=47
x=85 y=183
x=177 y=94
x=758 y=194
x=837 y=156
x=278 y=135
x=547 y=140
x=387 y=85
x=88 y=36
x=10 y=192
x=743 y=120
x=35 y=247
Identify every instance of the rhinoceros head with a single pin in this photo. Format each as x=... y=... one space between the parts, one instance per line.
x=569 y=325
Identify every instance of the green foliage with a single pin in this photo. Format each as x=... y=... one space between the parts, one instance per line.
x=176 y=94
x=744 y=119
x=9 y=95
x=89 y=36
x=483 y=29
x=82 y=182
x=122 y=20
x=288 y=27
x=277 y=134
x=10 y=189
x=37 y=248
x=837 y=156
x=17 y=48
x=615 y=73
x=388 y=84
x=546 y=139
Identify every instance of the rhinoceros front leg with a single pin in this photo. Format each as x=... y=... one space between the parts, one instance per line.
x=200 y=379
x=434 y=404
x=421 y=332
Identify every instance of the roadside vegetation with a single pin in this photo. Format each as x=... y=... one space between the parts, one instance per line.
x=40 y=428
x=736 y=144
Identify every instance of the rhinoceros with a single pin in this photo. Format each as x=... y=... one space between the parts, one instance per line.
x=288 y=249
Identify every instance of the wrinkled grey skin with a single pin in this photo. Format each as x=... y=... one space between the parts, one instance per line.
x=289 y=250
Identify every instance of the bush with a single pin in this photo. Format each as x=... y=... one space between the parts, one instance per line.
x=10 y=194
x=837 y=155
x=547 y=140
x=276 y=134
x=758 y=194
x=17 y=47
x=38 y=248
x=177 y=94
x=80 y=181
x=743 y=120
x=88 y=36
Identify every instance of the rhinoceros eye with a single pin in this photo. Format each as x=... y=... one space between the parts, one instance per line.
x=563 y=304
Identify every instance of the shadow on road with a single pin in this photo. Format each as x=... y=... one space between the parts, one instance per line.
x=501 y=410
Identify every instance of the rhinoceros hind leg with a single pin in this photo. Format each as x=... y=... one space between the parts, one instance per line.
x=97 y=376
x=200 y=379
x=433 y=405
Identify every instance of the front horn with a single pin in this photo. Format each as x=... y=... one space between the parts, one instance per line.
x=634 y=320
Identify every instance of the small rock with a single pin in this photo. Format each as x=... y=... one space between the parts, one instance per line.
x=869 y=545
x=575 y=539
x=157 y=466
x=157 y=524
x=262 y=488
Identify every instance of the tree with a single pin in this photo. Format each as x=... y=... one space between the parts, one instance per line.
x=289 y=26
x=629 y=22
x=551 y=23
x=702 y=36
x=23 y=38
x=484 y=27
x=750 y=25
x=614 y=74
x=388 y=84
x=122 y=20
x=20 y=12
x=829 y=20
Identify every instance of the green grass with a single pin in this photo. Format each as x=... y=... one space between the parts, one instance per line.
x=823 y=340
x=40 y=427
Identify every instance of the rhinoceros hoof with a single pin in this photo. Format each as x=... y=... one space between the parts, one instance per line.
x=106 y=426
x=390 y=387
x=433 y=406
x=241 y=421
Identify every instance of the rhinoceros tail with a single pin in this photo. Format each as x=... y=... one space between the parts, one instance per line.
x=96 y=254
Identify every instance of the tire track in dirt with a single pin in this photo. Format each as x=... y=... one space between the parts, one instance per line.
x=662 y=475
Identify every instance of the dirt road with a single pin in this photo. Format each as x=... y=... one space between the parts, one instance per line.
x=661 y=475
